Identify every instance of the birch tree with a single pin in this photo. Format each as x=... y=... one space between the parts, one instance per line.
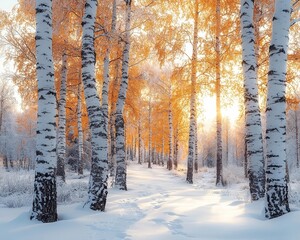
x=176 y=148
x=150 y=131
x=139 y=139
x=196 y=162
x=192 y=129
x=105 y=89
x=254 y=148
x=170 y=160
x=44 y=206
x=80 y=132
x=99 y=169
x=119 y=120
x=276 y=200
x=106 y=62
x=61 y=135
x=219 y=164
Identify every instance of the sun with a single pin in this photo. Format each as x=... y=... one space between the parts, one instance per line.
x=209 y=107
x=231 y=113
x=207 y=110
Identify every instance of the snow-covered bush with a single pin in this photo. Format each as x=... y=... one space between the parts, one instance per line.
x=72 y=192
x=16 y=189
x=20 y=182
x=234 y=174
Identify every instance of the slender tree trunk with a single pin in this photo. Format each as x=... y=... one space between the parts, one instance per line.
x=150 y=135
x=196 y=162
x=44 y=206
x=297 y=139
x=11 y=162
x=253 y=127
x=139 y=141
x=80 y=132
x=191 y=152
x=112 y=129
x=106 y=63
x=112 y=161
x=276 y=201
x=61 y=138
x=105 y=87
x=170 y=160
x=99 y=169
x=219 y=164
x=134 y=149
x=163 y=152
x=121 y=173
x=153 y=152
x=5 y=162
x=176 y=149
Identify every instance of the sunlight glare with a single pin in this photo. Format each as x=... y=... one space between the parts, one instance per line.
x=208 y=110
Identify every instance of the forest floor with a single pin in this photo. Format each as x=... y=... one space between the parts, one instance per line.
x=159 y=204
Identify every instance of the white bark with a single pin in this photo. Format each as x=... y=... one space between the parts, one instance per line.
x=99 y=169
x=80 y=132
x=106 y=62
x=176 y=148
x=192 y=133
x=255 y=156
x=149 y=132
x=121 y=173
x=61 y=136
x=196 y=162
x=44 y=201
x=219 y=164
x=276 y=201
x=140 y=140
x=170 y=160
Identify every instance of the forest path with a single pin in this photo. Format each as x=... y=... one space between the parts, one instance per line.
x=158 y=205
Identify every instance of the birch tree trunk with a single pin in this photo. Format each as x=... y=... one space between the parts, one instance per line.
x=44 y=206
x=176 y=148
x=255 y=155
x=106 y=63
x=297 y=139
x=61 y=138
x=99 y=169
x=139 y=141
x=112 y=127
x=219 y=164
x=105 y=87
x=121 y=173
x=163 y=152
x=150 y=134
x=196 y=162
x=276 y=200
x=112 y=162
x=170 y=160
x=80 y=132
x=191 y=151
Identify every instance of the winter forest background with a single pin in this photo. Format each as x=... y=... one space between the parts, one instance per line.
x=117 y=115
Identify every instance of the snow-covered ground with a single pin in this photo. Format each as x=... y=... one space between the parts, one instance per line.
x=158 y=205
